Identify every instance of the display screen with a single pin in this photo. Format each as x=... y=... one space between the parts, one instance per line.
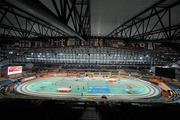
x=14 y=70
x=165 y=72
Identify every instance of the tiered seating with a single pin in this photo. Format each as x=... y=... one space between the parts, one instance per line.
x=90 y=55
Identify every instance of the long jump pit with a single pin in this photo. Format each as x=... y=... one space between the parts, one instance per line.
x=89 y=89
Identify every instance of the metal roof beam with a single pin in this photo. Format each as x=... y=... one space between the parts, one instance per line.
x=36 y=8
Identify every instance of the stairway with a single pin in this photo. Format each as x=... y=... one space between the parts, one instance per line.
x=90 y=114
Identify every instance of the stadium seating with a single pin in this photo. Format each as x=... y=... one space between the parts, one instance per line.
x=88 y=55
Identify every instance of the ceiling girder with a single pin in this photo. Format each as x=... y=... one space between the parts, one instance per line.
x=36 y=9
x=146 y=24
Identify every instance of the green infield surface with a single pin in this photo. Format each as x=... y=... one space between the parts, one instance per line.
x=64 y=88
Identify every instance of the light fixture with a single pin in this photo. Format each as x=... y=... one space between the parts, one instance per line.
x=10 y=52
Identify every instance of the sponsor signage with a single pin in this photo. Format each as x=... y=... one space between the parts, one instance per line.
x=14 y=70
x=28 y=79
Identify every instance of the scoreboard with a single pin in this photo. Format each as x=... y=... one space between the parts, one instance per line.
x=14 y=70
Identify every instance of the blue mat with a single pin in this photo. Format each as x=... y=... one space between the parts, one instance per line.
x=98 y=90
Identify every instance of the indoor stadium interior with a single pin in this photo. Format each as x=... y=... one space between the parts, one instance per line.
x=89 y=59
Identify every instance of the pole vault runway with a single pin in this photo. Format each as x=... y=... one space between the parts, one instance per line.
x=82 y=88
